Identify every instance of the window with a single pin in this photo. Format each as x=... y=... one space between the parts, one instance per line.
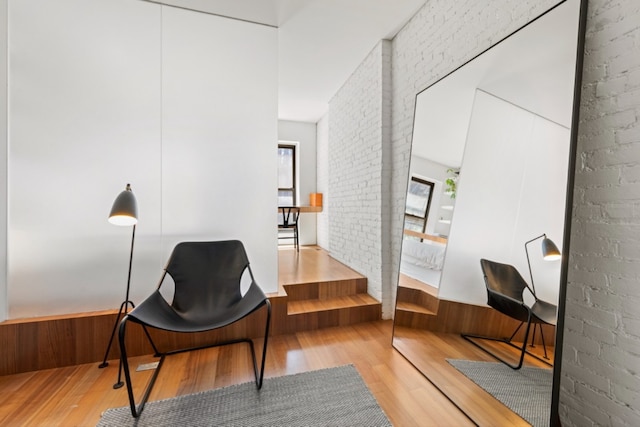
x=286 y=175
x=418 y=203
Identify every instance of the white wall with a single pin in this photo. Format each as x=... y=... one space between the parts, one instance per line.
x=107 y=92
x=219 y=135
x=3 y=157
x=84 y=119
x=304 y=134
x=511 y=189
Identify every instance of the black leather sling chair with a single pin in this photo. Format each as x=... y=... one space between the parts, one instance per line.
x=207 y=296
x=505 y=289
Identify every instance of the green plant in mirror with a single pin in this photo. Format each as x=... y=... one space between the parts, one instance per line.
x=452 y=182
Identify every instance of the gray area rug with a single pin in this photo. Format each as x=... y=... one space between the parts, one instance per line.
x=328 y=397
x=526 y=391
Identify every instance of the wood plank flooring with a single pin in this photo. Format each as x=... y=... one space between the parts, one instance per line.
x=76 y=396
x=429 y=351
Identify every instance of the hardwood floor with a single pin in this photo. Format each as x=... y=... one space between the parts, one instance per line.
x=429 y=351
x=76 y=396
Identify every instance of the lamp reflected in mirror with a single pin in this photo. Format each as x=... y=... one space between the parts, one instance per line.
x=550 y=252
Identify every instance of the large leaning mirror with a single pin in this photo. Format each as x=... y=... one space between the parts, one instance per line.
x=489 y=173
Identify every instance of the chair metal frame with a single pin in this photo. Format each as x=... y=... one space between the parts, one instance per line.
x=136 y=409
x=520 y=311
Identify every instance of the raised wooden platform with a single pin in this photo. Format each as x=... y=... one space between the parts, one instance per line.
x=315 y=291
x=419 y=307
x=320 y=292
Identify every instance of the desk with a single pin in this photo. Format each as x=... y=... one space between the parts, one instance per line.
x=310 y=209
x=304 y=209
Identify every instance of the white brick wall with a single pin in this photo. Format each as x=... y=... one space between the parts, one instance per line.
x=322 y=181
x=600 y=382
x=358 y=115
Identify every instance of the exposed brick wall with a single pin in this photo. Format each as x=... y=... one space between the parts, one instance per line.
x=600 y=382
x=356 y=146
x=322 y=181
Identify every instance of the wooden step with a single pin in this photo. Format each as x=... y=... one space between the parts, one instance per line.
x=414 y=317
x=328 y=304
x=320 y=292
x=417 y=298
x=326 y=289
x=417 y=303
x=331 y=303
x=341 y=311
x=413 y=308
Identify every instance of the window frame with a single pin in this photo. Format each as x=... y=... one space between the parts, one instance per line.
x=427 y=208
x=294 y=170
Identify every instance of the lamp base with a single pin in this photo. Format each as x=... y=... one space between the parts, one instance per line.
x=121 y=313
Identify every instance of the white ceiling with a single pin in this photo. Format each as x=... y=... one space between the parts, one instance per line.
x=320 y=42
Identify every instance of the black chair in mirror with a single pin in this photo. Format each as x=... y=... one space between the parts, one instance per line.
x=505 y=292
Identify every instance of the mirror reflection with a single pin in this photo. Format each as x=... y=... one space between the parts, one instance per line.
x=487 y=180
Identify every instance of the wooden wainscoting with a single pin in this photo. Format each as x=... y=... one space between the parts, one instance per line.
x=56 y=341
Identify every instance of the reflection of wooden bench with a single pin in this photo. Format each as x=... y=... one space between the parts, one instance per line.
x=424 y=236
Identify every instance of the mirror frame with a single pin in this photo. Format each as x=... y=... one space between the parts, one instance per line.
x=571 y=172
x=571 y=167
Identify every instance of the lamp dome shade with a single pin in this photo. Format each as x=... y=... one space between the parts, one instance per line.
x=125 y=209
x=550 y=251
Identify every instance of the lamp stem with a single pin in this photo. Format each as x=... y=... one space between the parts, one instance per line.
x=133 y=237
x=533 y=286
x=124 y=309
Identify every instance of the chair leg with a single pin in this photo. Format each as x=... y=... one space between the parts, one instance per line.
x=264 y=347
x=135 y=410
x=544 y=346
x=533 y=339
x=523 y=349
x=515 y=332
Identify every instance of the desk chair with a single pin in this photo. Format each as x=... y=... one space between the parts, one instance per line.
x=288 y=223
